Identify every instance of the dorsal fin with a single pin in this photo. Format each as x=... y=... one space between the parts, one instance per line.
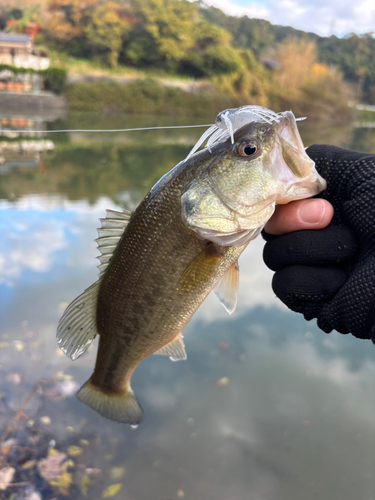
x=110 y=232
x=77 y=328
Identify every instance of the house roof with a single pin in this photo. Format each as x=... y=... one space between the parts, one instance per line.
x=14 y=38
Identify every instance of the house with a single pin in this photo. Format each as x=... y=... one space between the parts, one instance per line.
x=16 y=49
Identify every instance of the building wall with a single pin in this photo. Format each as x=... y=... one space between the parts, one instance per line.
x=15 y=48
x=20 y=55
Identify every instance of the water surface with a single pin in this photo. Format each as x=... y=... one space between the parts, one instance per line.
x=266 y=407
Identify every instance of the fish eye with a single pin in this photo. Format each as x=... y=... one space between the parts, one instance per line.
x=247 y=149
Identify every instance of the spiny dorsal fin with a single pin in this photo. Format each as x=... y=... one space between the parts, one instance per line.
x=227 y=288
x=175 y=349
x=113 y=227
x=77 y=327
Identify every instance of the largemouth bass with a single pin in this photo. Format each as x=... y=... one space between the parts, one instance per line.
x=159 y=263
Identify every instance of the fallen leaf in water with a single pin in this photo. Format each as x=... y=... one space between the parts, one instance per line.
x=93 y=472
x=117 y=472
x=84 y=483
x=18 y=345
x=112 y=490
x=45 y=420
x=28 y=465
x=6 y=446
x=74 y=451
x=64 y=479
x=222 y=382
x=49 y=468
x=6 y=476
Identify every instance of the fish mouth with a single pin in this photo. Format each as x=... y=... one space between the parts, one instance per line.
x=295 y=166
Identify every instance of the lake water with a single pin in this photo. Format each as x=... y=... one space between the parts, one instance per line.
x=266 y=407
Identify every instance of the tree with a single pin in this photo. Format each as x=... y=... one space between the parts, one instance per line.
x=67 y=21
x=105 y=29
x=162 y=34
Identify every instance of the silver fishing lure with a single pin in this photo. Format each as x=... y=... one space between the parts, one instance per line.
x=230 y=120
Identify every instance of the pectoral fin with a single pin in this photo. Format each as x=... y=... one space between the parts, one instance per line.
x=201 y=268
x=175 y=349
x=227 y=288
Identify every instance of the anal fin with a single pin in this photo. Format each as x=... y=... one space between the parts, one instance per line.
x=227 y=288
x=175 y=349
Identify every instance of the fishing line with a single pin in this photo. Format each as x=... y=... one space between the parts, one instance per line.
x=102 y=130
x=11 y=131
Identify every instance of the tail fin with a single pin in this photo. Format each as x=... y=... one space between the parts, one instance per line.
x=122 y=408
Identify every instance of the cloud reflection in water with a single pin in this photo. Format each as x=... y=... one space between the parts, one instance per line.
x=295 y=419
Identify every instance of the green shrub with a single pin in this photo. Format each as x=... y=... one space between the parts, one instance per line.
x=55 y=79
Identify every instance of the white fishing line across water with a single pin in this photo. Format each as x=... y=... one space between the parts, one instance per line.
x=103 y=130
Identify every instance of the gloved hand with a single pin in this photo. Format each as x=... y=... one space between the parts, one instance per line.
x=329 y=273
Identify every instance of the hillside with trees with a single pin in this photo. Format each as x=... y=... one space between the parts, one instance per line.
x=240 y=59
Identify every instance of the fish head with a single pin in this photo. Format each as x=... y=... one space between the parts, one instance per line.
x=233 y=197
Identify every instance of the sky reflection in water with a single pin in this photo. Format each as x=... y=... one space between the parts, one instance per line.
x=265 y=407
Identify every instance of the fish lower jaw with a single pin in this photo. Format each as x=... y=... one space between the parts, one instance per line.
x=236 y=238
x=305 y=189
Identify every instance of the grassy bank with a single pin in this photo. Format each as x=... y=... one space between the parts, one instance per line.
x=150 y=97
x=146 y=97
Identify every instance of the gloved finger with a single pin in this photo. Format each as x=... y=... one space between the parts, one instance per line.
x=325 y=156
x=296 y=284
x=345 y=172
x=301 y=214
x=325 y=325
x=331 y=245
x=352 y=309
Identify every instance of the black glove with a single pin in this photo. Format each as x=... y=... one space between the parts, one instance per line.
x=329 y=274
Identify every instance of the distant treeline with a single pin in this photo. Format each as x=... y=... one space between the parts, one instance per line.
x=353 y=55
